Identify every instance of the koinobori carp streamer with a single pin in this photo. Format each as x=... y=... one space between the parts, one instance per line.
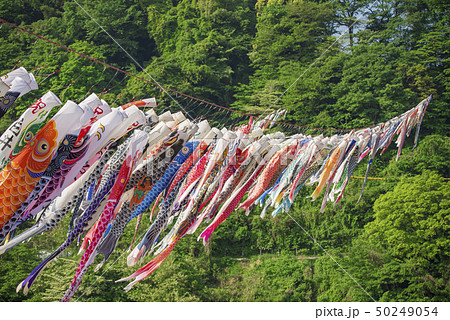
x=109 y=165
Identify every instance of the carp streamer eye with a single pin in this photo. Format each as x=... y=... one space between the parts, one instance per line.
x=169 y=152
x=28 y=136
x=81 y=141
x=42 y=147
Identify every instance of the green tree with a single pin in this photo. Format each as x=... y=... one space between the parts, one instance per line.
x=202 y=46
x=289 y=36
x=124 y=20
x=349 y=14
x=403 y=253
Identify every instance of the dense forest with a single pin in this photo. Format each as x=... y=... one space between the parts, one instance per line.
x=256 y=56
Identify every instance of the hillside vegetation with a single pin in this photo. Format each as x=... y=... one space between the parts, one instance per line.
x=245 y=55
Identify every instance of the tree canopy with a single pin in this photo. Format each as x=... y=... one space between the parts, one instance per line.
x=256 y=56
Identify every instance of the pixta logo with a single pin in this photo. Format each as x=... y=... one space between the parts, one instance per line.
x=336 y=312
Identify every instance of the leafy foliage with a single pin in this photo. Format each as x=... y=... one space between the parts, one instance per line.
x=258 y=56
x=402 y=254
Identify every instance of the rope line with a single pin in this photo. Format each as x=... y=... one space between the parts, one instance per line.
x=390 y=178
x=172 y=90
x=134 y=60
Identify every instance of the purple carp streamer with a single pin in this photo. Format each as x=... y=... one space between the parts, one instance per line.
x=109 y=165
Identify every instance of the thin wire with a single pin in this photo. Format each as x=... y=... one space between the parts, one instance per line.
x=100 y=79
x=38 y=70
x=144 y=87
x=314 y=240
x=125 y=251
x=172 y=90
x=310 y=66
x=117 y=97
x=110 y=80
x=48 y=76
x=134 y=60
x=82 y=73
x=198 y=108
x=16 y=65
